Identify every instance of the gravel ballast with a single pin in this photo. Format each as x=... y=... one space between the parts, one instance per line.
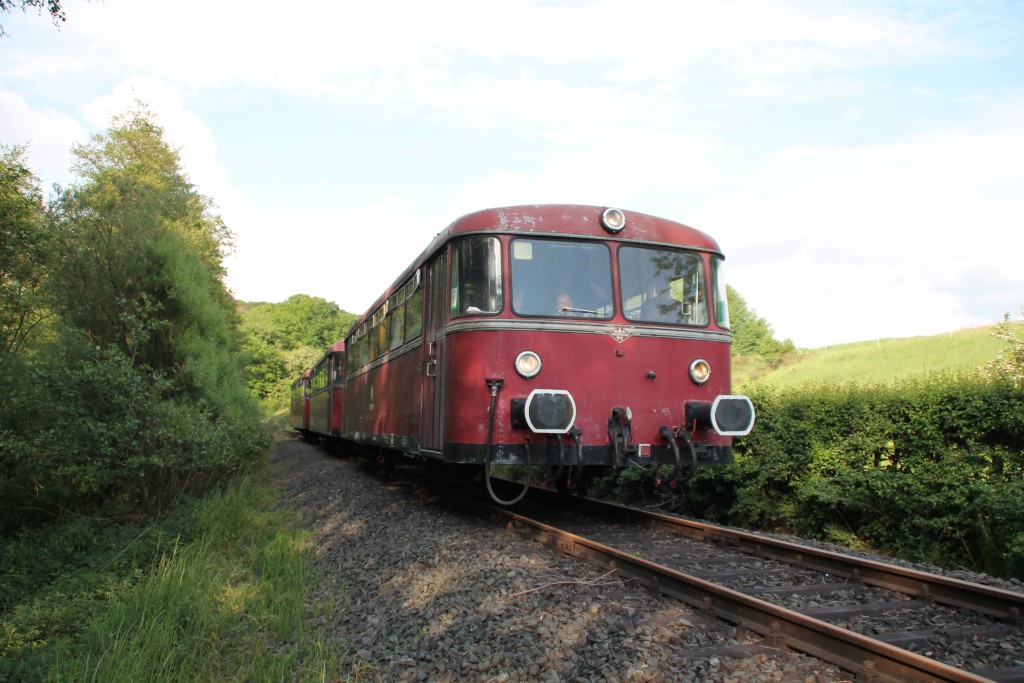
x=409 y=590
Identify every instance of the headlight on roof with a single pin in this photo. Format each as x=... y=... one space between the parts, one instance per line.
x=613 y=220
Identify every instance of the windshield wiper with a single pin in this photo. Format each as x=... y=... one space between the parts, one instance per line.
x=570 y=309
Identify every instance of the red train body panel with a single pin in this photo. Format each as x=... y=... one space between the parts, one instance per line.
x=548 y=335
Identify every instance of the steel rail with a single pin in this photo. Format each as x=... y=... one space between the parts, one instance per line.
x=994 y=602
x=870 y=659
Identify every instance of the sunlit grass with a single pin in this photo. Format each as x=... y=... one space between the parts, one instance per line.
x=230 y=604
x=881 y=361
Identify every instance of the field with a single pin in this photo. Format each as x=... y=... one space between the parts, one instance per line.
x=880 y=361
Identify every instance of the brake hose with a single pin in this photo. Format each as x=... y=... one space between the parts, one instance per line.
x=561 y=463
x=494 y=385
x=578 y=476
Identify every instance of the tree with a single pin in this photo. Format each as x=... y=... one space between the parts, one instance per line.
x=752 y=335
x=23 y=252
x=145 y=367
x=285 y=339
x=141 y=253
x=299 y=320
x=52 y=6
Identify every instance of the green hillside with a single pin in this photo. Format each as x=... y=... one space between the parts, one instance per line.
x=874 y=362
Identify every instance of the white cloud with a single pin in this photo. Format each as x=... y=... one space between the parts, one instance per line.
x=49 y=134
x=345 y=49
x=918 y=236
x=615 y=168
x=349 y=257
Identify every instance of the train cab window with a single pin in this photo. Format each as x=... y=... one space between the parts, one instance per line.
x=476 y=277
x=561 y=278
x=663 y=286
x=719 y=293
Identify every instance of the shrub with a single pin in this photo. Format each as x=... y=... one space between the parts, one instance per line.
x=929 y=470
x=92 y=431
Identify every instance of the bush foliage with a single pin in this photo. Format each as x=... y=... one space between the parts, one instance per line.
x=931 y=470
x=121 y=378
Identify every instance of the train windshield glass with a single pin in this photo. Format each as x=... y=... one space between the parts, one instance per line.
x=561 y=278
x=476 y=276
x=663 y=286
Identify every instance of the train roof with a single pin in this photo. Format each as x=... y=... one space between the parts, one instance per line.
x=575 y=220
x=336 y=346
x=557 y=220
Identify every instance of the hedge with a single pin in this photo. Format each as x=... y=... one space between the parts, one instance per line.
x=929 y=470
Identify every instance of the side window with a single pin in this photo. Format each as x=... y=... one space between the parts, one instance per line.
x=414 y=312
x=384 y=330
x=476 y=277
x=374 y=335
x=364 y=346
x=396 y=319
x=352 y=357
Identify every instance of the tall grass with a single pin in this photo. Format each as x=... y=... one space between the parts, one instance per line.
x=230 y=604
x=202 y=604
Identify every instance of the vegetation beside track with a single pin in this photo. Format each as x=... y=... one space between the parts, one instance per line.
x=216 y=590
x=137 y=537
x=121 y=383
x=927 y=465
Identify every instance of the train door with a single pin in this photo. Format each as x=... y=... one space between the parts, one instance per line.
x=436 y=295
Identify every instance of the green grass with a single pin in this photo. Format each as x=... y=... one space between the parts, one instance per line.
x=881 y=361
x=216 y=591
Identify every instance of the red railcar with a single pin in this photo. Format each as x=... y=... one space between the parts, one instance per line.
x=554 y=336
x=326 y=393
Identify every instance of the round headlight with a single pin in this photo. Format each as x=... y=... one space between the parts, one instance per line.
x=613 y=220
x=528 y=364
x=700 y=371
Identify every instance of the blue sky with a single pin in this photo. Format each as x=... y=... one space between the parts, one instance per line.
x=860 y=163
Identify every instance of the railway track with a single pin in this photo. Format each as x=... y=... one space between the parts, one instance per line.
x=879 y=622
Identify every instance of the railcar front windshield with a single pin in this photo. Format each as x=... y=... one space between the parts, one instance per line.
x=663 y=286
x=561 y=278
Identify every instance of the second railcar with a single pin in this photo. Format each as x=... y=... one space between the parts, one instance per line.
x=326 y=393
